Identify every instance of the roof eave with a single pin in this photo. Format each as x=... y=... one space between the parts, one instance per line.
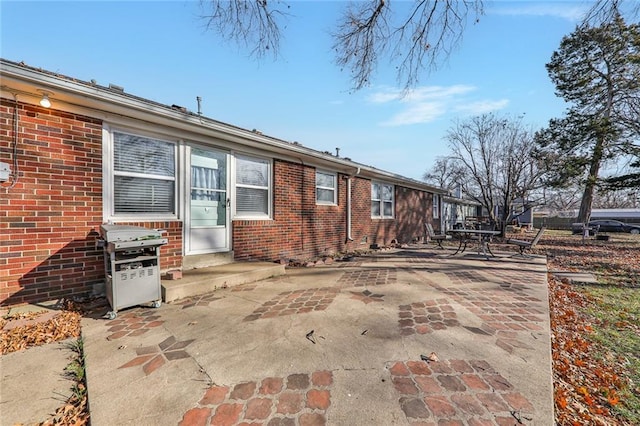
x=100 y=98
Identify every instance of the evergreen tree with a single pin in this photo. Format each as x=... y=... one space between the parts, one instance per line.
x=597 y=71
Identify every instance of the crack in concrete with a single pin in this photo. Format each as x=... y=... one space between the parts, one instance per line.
x=202 y=370
x=246 y=299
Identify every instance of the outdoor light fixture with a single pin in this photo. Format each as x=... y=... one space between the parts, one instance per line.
x=45 y=102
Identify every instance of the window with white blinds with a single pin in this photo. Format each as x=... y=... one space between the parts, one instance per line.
x=326 y=188
x=253 y=186
x=381 y=200
x=143 y=175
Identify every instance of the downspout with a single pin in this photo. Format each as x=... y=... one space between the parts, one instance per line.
x=349 y=236
x=302 y=225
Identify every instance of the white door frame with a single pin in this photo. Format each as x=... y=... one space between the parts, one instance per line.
x=189 y=239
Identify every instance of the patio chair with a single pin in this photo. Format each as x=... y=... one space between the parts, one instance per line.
x=524 y=246
x=437 y=238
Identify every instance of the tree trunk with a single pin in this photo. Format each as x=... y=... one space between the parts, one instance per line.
x=584 y=214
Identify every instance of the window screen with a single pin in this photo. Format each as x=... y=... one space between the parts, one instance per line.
x=381 y=200
x=144 y=175
x=252 y=186
x=326 y=188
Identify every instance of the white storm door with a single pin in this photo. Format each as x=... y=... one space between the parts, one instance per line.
x=208 y=212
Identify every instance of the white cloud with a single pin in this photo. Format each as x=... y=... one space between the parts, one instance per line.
x=571 y=11
x=419 y=94
x=482 y=107
x=416 y=113
x=384 y=96
x=437 y=92
x=428 y=103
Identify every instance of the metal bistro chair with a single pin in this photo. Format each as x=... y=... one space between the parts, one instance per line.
x=437 y=238
x=526 y=245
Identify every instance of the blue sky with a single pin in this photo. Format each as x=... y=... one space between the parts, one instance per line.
x=161 y=51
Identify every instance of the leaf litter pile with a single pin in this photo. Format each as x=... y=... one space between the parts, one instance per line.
x=62 y=326
x=586 y=387
x=594 y=384
x=24 y=330
x=596 y=379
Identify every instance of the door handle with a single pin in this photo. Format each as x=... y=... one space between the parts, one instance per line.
x=228 y=202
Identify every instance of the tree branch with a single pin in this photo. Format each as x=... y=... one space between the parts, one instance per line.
x=422 y=40
x=254 y=24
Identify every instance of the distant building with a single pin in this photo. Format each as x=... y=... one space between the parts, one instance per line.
x=456 y=209
x=563 y=219
x=624 y=215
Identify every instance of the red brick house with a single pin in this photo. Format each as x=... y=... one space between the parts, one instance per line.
x=97 y=154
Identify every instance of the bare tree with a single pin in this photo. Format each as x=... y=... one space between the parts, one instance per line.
x=607 y=10
x=415 y=42
x=495 y=154
x=622 y=199
x=255 y=24
x=559 y=200
x=445 y=174
x=424 y=38
x=568 y=199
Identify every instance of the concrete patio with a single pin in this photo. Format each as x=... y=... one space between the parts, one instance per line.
x=338 y=344
x=410 y=336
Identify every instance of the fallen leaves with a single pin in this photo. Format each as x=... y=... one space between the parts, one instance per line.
x=589 y=378
x=613 y=400
x=62 y=326
x=75 y=412
x=38 y=331
x=584 y=386
x=614 y=262
x=433 y=357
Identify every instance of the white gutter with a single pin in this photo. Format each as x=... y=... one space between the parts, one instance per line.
x=349 y=238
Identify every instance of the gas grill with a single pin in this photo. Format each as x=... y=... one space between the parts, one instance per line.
x=132 y=266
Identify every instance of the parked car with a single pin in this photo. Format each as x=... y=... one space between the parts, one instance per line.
x=606 y=226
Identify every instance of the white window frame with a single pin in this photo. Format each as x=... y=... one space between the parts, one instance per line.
x=436 y=206
x=269 y=188
x=334 y=188
x=382 y=202
x=108 y=190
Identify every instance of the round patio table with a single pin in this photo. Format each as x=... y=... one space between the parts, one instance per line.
x=482 y=236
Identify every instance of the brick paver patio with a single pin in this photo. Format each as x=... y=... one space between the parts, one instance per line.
x=405 y=303
x=427 y=316
x=295 y=302
x=133 y=323
x=469 y=391
x=298 y=399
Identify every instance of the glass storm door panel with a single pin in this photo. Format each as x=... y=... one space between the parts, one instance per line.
x=208 y=214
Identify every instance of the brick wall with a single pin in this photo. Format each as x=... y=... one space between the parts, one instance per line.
x=362 y=231
x=413 y=210
x=50 y=218
x=170 y=253
x=302 y=229
x=49 y=221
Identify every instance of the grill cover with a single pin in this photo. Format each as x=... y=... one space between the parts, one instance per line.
x=128 y=233
x=127 y=236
